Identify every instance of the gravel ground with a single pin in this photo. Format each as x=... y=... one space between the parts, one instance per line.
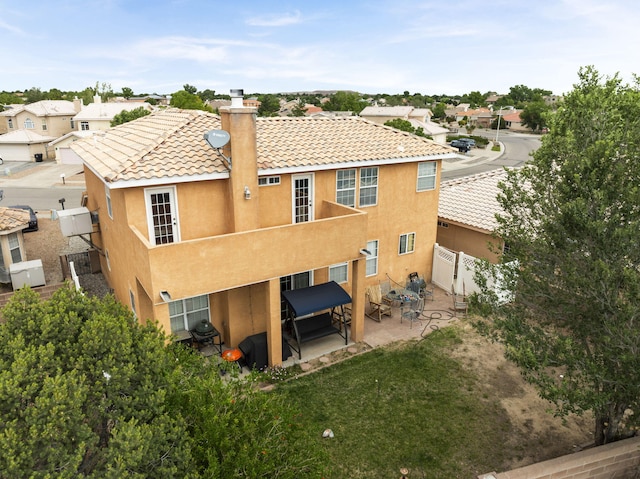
x=48 y=244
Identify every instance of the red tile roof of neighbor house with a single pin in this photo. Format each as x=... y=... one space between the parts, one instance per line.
x=170 y=143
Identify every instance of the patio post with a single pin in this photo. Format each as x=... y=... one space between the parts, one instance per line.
x=274 y=328
x=358 y=268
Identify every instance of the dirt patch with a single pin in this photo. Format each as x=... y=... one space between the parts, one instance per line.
x=540 y=436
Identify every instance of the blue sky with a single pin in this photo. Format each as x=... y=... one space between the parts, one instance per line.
x=371 y=46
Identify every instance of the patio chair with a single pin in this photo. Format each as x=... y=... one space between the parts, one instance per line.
x=413 y=312
x=385 y=288
x=417 y=284
x=377 y=307
x=460 y=304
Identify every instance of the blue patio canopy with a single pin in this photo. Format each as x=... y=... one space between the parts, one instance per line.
x=315 y=298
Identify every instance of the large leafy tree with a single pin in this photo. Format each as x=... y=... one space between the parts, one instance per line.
x=345 y=101
x=128 y=115
x=83 y=392
x=571 y=220
x=188 y=101
x=86 y=391
x=534 y=115
x=269 y=105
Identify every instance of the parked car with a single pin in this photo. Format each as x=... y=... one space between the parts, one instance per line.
x=33 y=219
x=462 y=146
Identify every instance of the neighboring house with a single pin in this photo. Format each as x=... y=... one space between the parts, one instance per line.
x=97 y=116
x=24 y=146
x=47 y=117
x=467 y=214
x=480 y=117
x=513 y=122
x=62 y=147
x=418 y=117
x=187 y=232
x=12 y=250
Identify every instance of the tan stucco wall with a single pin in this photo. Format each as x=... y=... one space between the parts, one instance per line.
x=56 y=125
x=460 y=239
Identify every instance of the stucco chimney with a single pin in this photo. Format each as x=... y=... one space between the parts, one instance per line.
x=240 y=122
x=77 y=104
x=97 y=99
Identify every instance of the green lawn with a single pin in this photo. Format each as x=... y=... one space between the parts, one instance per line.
x=409 y=406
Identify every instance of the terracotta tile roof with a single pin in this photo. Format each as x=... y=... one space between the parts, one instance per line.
x=170 y=143
x=12 y=218
x=167 y=143
x=44 y=108
x=301 y=141
x=25 y=136
x=472 y=200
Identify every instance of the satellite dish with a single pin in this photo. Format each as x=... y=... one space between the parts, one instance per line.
x=217 y=138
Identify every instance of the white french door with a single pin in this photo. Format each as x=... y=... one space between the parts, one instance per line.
x=302 y=196
x=162 y=215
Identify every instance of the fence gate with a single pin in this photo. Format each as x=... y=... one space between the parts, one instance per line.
x=86 y=262
x=444 y=265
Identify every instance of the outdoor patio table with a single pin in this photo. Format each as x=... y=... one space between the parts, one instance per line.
x=402 y=295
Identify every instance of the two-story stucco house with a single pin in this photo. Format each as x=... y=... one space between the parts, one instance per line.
x=188 y=231
x=32 y=126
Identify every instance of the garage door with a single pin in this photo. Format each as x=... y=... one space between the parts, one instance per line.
x=15 y=153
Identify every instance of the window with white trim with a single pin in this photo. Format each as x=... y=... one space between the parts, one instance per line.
x=185 y=314
x=427 y=176
x=44 y=124
x=14 y=248
x=73 y=124
x=268 y=180
x=407 y=243
x=368 y=186
x=28 y=124
x=339 y=272
x=107 y=194
x=10 y=123
x=84 y=125
x=372 y=259
x=346 y=187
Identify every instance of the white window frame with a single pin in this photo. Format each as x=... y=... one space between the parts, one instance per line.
x=187 y=308
x=407 y=243
x=14 y=246
x=44 y=124
x=346 y=187
x=269 y=180
x=427 y=172
x=371 y=268
x=173 y=202
x=29 y=124
x=366 y=188
x=10 y=123
x=73 y=124
x=339 y=272
x=84 y=126
x=107 y=194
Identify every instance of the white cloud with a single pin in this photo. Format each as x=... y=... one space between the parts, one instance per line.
x=276 y=20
